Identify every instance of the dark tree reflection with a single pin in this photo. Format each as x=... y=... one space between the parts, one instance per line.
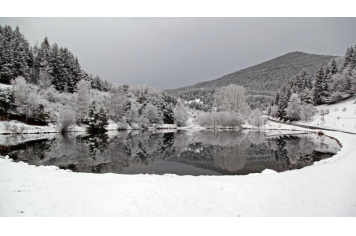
x=217 y=152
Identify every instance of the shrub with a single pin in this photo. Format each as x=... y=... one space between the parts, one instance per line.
x=14 y=128
x=22 y=128
x=66 y=120
x=7 y=126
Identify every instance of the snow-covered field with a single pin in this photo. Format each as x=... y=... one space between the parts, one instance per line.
x=342 y=116
x=328 y=188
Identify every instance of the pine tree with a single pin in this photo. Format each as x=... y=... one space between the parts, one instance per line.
x=283 y=103
x=20 y=48
x=348 y=57
x=102 y=119
x=326 y=85
x=305 y=97
x=7 y=53
x=92 y=117
x=44 y=55
x=276 y=100
x=318 y=86
x=353 y=60
x=333 y=67
x=96 y=120
x=77 y=73
x=61 y=78
x=35 y=71
x=305 y=81
x=270 y=107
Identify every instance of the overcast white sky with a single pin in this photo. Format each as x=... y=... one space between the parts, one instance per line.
x=175 y=52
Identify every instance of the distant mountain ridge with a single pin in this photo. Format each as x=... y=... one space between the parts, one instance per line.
x=267 y=77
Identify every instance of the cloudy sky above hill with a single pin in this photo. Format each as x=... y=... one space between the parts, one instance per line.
x=175 y=52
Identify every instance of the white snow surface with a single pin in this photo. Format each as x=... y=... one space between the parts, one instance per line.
x=32 y=129
x=342 y=116
x=5 y=86
x=328 y=188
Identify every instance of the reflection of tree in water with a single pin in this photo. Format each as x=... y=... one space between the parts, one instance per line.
x=293 y=151
x=97 y=144
x=31 y=151
x=226 y=152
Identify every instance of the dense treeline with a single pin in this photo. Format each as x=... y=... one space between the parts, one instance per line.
x=48 y=85
x=333 y=83
x=43 y=65
x=255 y=99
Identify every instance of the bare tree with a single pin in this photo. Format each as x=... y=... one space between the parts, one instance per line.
x=66 y=120
x=83 y=99
x=257 y=118
x=306 y=112
x=117 y=103
x=231 y=98
x=180 y=113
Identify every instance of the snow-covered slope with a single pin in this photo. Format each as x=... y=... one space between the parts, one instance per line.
x=328 y=188
x=342 y=116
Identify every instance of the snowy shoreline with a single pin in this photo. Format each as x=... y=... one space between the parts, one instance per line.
x=326 y=188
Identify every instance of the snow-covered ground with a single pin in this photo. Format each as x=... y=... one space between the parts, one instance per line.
x=5 y=86
x=191 y=124
x=6 y=127
x=342 y=116
x=328 y=188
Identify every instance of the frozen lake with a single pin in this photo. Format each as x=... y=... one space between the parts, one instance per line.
x=182 y=153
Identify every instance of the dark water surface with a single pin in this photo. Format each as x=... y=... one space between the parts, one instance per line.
x=181 y=153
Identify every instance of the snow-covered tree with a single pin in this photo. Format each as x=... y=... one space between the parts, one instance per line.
x=96 y=119
x=180 y=113
x=293 y=109
x=117 y=103
x=83 y=99
x=318 y=87
x=45 y=79
x=150 y=115
x=25 y=97
x=348 y=57
x=232 y=98
x=66 y=120
x=333 y=67
x=6 y=100
x=283 y=102
x=274 y=110
x=306 y=112
x=257 y=119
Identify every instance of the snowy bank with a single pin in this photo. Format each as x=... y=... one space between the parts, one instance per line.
x=328 y=188
x=340 y=116
x=14 y=126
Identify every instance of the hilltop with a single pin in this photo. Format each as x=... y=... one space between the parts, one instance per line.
x=267 y=75
x=261 y=81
